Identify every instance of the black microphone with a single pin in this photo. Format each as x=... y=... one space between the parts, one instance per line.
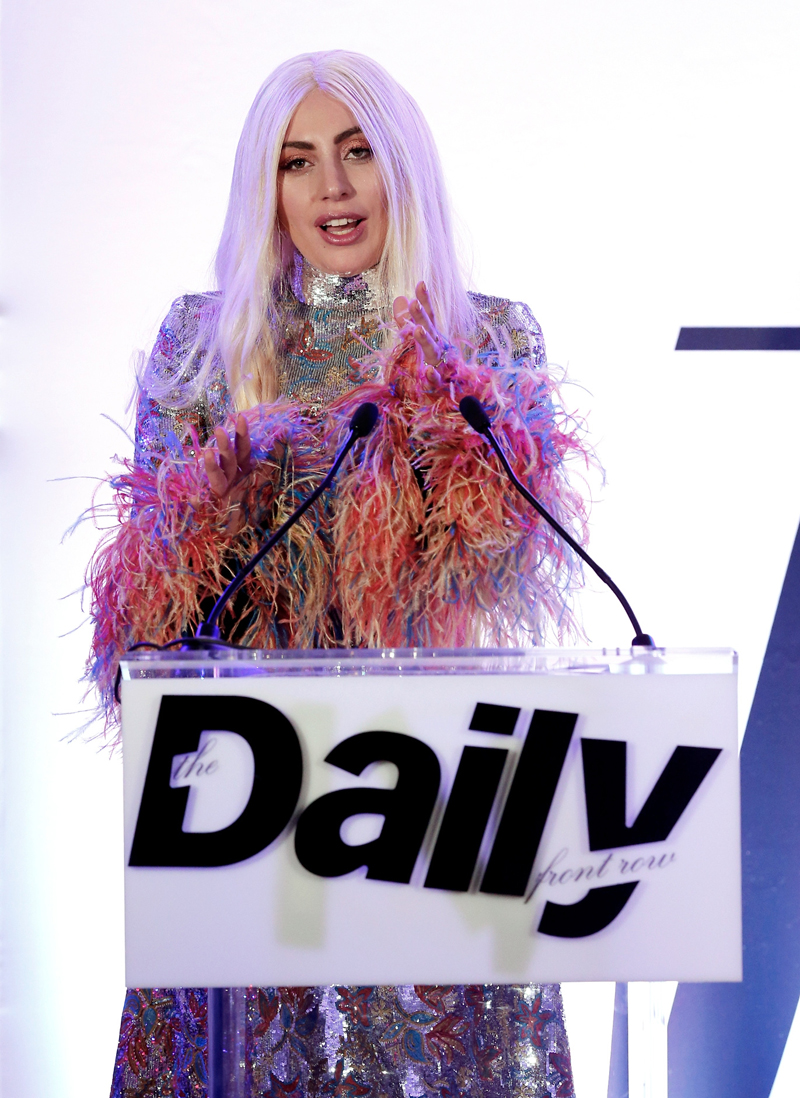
x=475 y=414
x=361 y=423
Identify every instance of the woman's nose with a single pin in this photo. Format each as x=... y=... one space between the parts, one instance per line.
x=334 y=180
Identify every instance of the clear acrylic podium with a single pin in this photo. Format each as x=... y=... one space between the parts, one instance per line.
x=612 y=841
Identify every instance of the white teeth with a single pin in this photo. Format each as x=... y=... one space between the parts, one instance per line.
x=338 y=222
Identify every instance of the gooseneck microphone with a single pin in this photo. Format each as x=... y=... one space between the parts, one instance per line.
x=363 y=420
x=475 y=414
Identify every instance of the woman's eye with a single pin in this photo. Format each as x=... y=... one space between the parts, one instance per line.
x=294 y=165
x=359 y=152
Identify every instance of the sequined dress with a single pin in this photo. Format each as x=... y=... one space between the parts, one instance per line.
x=331 y=325
x=480 y=1041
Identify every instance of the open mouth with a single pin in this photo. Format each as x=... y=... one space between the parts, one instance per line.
x=341 y=226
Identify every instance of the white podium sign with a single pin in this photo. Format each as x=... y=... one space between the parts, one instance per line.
x=439 y=818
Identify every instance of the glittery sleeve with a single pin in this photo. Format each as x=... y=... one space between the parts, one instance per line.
x=508 y=324
x=160 y=427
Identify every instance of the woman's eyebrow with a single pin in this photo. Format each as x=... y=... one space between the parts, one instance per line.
x=343 y=136
x=340 y=137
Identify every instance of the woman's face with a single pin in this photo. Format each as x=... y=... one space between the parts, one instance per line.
x=330 y=199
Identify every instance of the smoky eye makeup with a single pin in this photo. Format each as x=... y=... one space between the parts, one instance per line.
x=358 y=149
x=293 y=163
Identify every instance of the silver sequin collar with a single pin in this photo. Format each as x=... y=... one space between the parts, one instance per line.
x=362 y=292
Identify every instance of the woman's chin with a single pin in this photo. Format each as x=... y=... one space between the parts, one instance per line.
x=342 y=261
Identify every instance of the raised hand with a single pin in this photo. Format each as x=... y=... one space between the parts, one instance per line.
x=228 y=468
x=416 y=315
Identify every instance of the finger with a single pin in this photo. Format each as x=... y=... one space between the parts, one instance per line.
x=420 y=316
x=401 y=313
x=227 y=457
x=424 y=299
x=402 y=317
x=217 y=481
x=242 y=444
x=430 y=347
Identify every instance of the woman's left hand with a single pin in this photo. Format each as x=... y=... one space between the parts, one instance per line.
x=417 y=314
x=228 y=469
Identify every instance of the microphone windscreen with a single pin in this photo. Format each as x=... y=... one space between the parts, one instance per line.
x=364 y=419
x=474 y=413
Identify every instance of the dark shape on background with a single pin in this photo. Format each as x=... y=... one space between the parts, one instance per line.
x=726 y=1040
x=465 y=818
x=738 y=339
x=528 y=803
x=159 y=839
x=500 y=719
x=406 y=810
x=598 y=908
x=605 y=780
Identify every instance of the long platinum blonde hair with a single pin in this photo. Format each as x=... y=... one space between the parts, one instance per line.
x=255 y=254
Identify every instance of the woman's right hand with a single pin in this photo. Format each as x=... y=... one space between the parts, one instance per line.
x=415 y=316
x=228 y=467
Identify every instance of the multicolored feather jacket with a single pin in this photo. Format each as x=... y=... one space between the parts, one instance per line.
x=422 y=543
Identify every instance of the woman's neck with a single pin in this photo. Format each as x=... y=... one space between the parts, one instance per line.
x=313 y=287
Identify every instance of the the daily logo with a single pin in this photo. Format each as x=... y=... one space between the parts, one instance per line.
x=407 y=809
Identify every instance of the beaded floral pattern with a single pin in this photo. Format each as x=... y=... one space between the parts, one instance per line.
x=481 y=1041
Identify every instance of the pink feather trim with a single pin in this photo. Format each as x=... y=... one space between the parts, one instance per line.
x=376 y=564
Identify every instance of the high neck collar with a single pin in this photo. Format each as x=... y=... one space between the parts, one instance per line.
x=313 y=287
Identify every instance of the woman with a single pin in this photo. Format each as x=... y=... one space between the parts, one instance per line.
x=337 y=207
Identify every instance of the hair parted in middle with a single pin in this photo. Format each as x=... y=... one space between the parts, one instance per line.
x=255 y=253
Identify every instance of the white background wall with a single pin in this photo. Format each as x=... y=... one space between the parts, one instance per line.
x=626 y=167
